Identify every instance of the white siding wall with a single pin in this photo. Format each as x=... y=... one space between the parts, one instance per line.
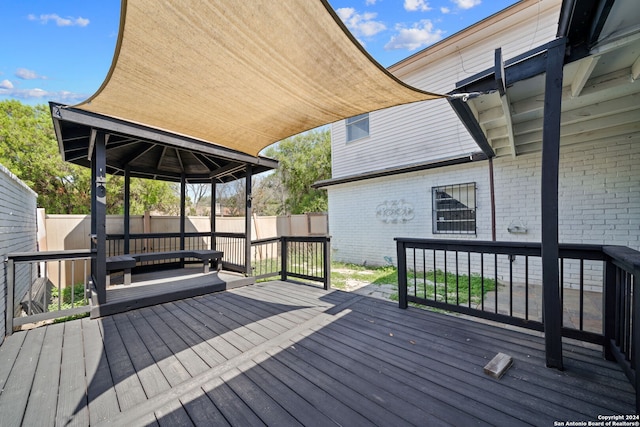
x=599 y=199
x=17 y=232
x=430 y=130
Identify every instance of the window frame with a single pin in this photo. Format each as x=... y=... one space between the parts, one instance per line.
x=352 y=122
x=457 y=216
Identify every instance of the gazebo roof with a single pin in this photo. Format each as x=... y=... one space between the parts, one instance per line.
x=241 y=75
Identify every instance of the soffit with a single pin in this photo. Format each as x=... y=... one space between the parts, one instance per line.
x=600 y=97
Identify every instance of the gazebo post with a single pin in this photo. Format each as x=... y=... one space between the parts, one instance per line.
x=212 y=244
x=183 y=210
x=99 y=216
x=127 y=208
x=247 y=220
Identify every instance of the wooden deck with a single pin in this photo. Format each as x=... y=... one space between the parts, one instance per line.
x=280 y=354
x=162 y=286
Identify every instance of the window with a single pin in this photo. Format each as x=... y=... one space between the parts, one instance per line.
x=454 y=209
x=357 y=127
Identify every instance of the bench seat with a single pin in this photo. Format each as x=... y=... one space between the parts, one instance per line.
x=127 y=262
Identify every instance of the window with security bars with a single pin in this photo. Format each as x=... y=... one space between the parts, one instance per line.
x=454 y=209
x=357 y=127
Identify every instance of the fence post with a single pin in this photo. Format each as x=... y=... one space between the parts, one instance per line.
x=11 y=279
x=326 y=245
x=402 y=274
x=609 y=308
x=283 y=258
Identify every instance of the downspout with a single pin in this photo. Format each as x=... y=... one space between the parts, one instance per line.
x=492 y=191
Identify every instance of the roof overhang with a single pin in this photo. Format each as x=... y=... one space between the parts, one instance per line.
x=415 y=167
x=147 y=152
x=503 y=109
x=241 y=74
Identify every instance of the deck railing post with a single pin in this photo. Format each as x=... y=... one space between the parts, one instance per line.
x=402 y=274
x=326 y=245
x=609 y=308
x=635 y=339
x=11 y=280
x=283 y=258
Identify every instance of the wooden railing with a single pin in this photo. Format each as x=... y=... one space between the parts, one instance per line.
x=29 y=285
x=307 y=258
x=501 y=281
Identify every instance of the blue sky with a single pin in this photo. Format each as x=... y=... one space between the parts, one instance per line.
x=61 y=51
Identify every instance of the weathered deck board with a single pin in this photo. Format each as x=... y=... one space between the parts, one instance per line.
x=72 y=408
x=41 y=408
x=283 y=354
x=15 y=395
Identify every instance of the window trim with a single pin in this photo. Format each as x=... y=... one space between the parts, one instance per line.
x=351 y=121
x=435 y=212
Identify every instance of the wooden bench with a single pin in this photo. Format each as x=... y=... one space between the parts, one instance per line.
x=127 y=262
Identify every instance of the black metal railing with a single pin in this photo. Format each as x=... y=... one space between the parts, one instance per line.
x=304 y=257
x=502 y=281
x=31 y=295
x=233 y=247
x=266 y=258
x=307 y=258
x=622 y=311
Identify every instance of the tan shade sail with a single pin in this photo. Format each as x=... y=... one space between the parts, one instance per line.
x=241 y=74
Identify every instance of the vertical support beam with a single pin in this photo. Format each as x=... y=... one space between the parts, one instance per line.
x=402 y=274
x=183 y=209
x=99 y=166
x=127 y=208
x=552 y=305
x=93 y=236
x=213 y=214
x=11 y=283
x=326 y=244
x=609 y=309
x=492 y=190
x=247 y=220
x=284 y=260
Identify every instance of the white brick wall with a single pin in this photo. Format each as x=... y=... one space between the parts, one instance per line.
x=599 y=203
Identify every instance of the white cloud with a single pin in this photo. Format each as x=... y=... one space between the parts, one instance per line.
x=25 y=74
x=466 y=4
x=6 y=84
x=60 y=22
x=445 y=10
x=416 y=5
x=421 y=34
x=370 y=2
x=40 y=94
x=360 y=24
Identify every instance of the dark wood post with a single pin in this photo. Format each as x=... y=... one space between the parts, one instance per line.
x=212 y=244
x=402 y=274
x=99 y=216
x=127 y=208
x=552 y=304
x=247 y=220
x=327 y=263
x=183 y=213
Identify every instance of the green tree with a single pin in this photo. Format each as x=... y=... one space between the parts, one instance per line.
x=304 y=159
x=29 y=149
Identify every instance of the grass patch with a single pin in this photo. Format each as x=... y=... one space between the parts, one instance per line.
x=341 y=273
x=70 y=293
x=431 y=286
